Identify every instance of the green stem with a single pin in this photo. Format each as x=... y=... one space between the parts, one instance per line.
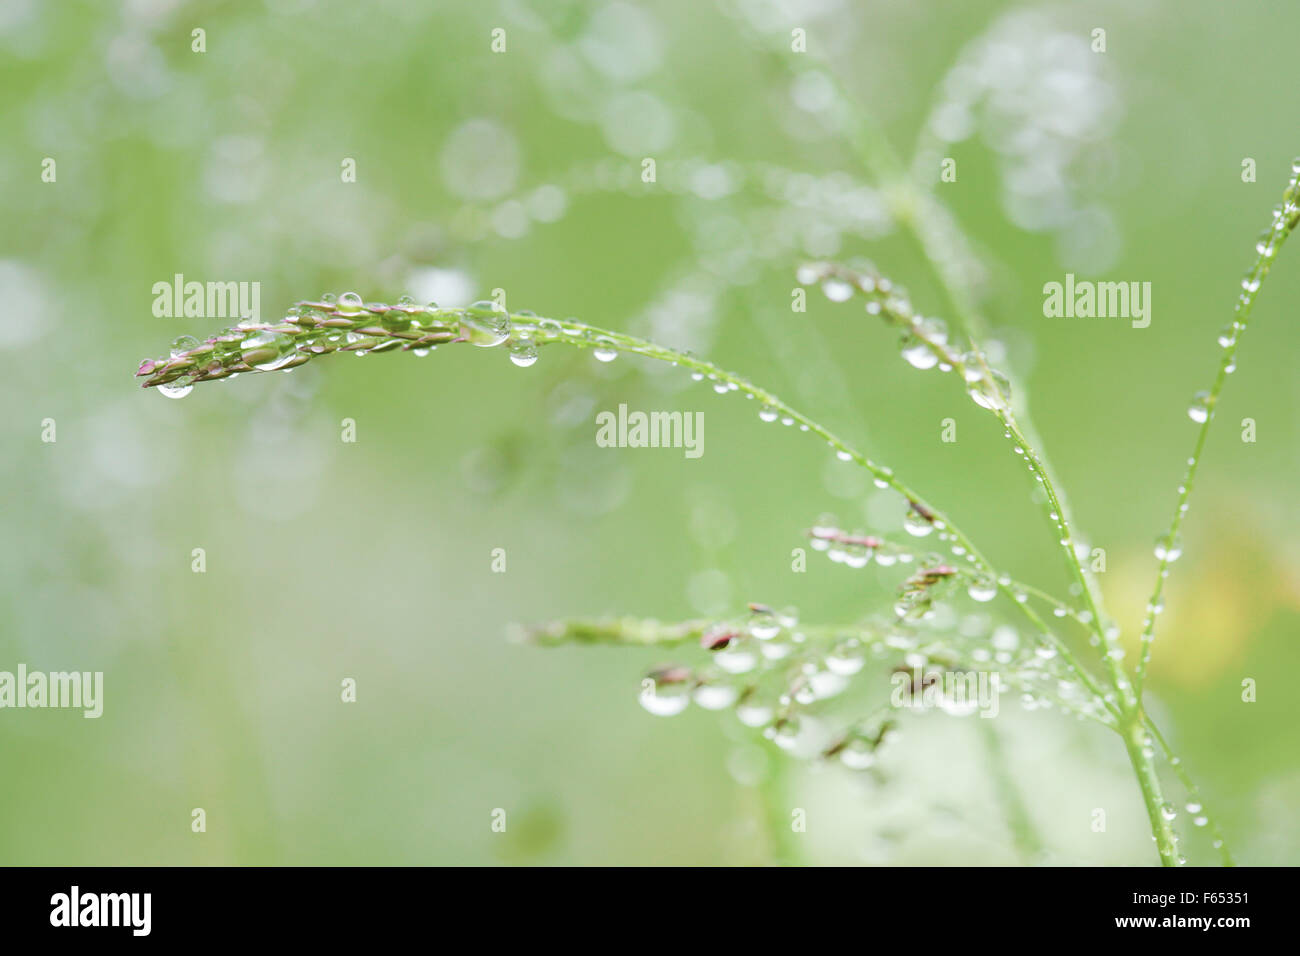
x=1142 y=757
x=1286 y=217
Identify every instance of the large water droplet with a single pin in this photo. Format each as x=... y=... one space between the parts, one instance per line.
x=523 y=352
x=1199 y=410
x=916 y=525
x=737 y=657
x=982 y=589
x=1168 y=549
x=268 y=351
x=484 y=325
x=178 y=388
x=184 y=344
x=847 y=658
x=836 y=289
x=666 y=693
x=752 y=712
x=858 y=754
x=918 y=354
x=992 y=391
x=715 y=696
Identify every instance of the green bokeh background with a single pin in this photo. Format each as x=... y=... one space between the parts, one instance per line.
x=370 y=560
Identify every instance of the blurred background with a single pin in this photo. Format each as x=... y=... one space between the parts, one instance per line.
x=520 y=170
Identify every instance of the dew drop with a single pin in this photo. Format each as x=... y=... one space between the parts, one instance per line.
x=1168 y=549
x=847 y=658
x=1199 y=410
x=523 y=352
x=982 y=589
x=268 y=351
x=754 y=714
x=918 y=355
x=184 y=344
x=737 y=657
x=858 y=754
x=837 y=290
x=484 y=325
x=178 y=388
x=715 y=696
x=992 y=392
x=915 y=525
x=663 y=697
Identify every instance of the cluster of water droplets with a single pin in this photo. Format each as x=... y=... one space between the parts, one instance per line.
x=1286 y=215
x=771 y=674
x=924 y=342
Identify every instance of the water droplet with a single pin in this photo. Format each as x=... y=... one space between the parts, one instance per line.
x=916 y=525
x=992 y=392
x=787 y=735
x=754 y=713
x=1168 y=549
x=523 y=352
x=765 y=625
x=715 y=696
x=847 y=658
x=484 y=325
x=268 y=351
x=605 y=352
x=918 y=354
x=982 y=589
x=184 y=344
x=397 y=320
x=737 y=657
x=767 y=413
x=178 y=388
x=1168 y=812
x=1199 y=410
x=665 y=693
x=350 y=302
x=836 y=289
x=858 y=754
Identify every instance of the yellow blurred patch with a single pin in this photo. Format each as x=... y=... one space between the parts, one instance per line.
x=1212 y=606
